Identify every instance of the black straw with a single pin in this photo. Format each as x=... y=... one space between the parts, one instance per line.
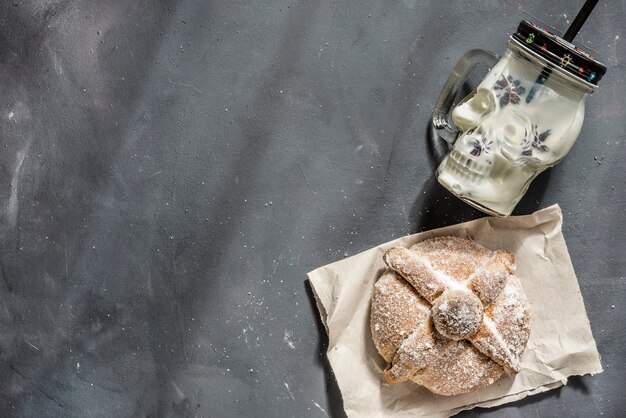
x=580 y=19
x=569 y=36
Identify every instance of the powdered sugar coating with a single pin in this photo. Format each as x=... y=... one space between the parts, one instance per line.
x=397 y=309
x=457 y=314
x=511 y=315
x=462 y=369
x=455 y=257
x=454 y=266
x=424 y=346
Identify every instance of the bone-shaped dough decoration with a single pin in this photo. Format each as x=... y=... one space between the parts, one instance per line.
x=457 y=310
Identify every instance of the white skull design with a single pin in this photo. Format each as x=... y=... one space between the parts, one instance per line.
x=512 y=129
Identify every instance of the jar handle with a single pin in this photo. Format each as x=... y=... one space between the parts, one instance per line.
x=441 y=113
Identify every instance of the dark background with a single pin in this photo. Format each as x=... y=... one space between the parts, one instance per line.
x=169 y=171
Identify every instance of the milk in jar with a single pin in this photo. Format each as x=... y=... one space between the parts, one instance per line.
x=513 y=128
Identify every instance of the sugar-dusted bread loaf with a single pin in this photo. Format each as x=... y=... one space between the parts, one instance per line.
x=450 y=315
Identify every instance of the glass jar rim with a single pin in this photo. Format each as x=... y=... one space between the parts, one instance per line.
x=572 y=80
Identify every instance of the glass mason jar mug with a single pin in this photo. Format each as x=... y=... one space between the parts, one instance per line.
x=523 y=117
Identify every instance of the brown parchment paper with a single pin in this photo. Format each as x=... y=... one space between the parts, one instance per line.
x=560 y=344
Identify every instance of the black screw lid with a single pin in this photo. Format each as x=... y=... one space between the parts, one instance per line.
x=559 y=52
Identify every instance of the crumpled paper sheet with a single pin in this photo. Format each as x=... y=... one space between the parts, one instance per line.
x=560 y=344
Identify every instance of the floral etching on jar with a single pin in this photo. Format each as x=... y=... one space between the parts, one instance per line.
x=538 y=142
x=509 y=90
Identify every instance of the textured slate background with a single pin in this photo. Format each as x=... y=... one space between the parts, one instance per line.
x=171 y=170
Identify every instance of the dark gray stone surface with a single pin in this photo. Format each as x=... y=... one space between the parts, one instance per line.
x=171 y=170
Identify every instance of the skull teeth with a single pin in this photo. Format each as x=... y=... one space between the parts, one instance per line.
x=466 y=167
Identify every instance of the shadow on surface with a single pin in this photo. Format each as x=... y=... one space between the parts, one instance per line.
x=532 y=200
x=333 y=394
x=436 y=207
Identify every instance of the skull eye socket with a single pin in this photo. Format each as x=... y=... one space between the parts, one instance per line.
x=510 y=130
x=516 y=129
x=514 y=135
